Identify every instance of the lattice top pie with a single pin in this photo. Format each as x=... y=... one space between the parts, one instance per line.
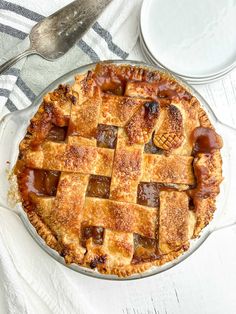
x=120 y=170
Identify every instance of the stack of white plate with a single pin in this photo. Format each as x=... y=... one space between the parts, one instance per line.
x=194 y=39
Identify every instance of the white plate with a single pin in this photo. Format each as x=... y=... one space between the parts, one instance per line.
x=151 y=60
x=194 y=39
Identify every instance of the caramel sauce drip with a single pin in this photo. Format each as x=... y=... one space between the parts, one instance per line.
x=205 y=140
x=203 y=190
x=166 y=92
x=113 y=80
x=109 y=81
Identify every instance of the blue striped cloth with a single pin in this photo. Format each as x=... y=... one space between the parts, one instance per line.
x=113 y=36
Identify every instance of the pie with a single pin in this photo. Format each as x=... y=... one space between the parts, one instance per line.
x=120 y=170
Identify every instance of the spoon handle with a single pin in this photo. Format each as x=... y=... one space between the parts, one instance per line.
x=6 y=65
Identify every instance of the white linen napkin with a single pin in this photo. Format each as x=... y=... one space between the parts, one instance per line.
x=30 y=280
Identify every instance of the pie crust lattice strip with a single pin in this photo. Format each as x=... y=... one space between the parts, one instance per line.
x=120 y=170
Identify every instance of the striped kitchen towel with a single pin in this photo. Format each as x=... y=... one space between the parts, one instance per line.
x=113 y=36
x=31 y=281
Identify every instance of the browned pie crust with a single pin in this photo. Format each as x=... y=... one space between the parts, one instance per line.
x=120 y=170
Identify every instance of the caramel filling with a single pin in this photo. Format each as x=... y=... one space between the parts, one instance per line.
x=151 y=148
x=145 y=249
x=57 y=134
x=99 y=186
x=96 y=233
x=148 y=194
x=42 y=182
x=106 y=136
x=114 y=89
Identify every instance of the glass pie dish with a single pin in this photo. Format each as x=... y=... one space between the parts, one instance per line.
x=13 y=128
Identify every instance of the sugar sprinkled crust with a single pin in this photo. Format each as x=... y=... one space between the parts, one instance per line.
x=112 y=172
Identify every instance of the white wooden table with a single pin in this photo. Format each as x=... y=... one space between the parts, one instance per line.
x=203 y=283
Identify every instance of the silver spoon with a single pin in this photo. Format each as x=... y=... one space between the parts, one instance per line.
x=52 y=37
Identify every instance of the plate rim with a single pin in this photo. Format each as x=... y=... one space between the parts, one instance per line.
x=193 y=78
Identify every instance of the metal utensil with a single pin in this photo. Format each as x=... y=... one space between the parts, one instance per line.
x=52 y=37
